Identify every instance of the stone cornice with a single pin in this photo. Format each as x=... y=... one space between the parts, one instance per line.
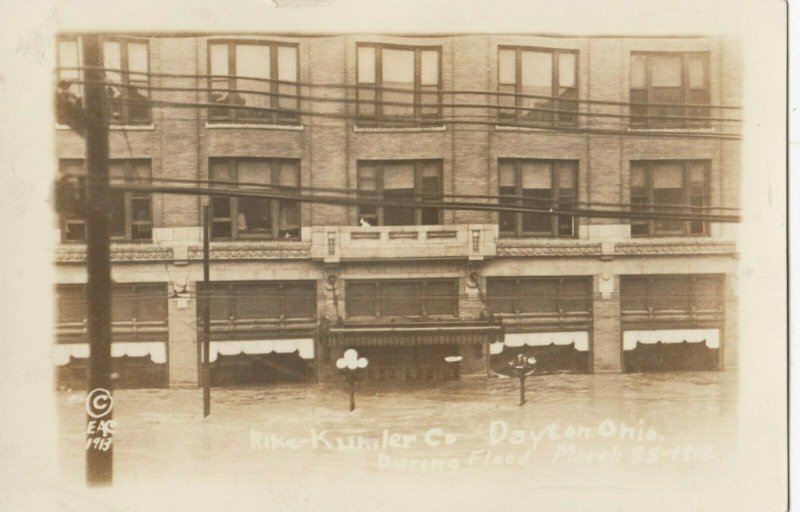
x=129 y=253
x=547 y=248
x=119 y=253
x=253 y=251
x=676 y=248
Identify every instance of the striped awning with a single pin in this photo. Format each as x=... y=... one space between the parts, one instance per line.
x=540 y=339
x=157 y=350
x=709 y=336
x=303 y=346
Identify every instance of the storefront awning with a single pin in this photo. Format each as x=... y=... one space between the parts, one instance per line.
x=157 y=350
x=709 y=336
x=304 y=346
x=541 y=339
x=370 y=335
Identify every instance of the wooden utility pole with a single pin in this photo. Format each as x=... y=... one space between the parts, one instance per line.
x=99 y=447
x=206 y=319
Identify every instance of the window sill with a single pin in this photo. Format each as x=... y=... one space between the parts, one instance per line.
x=258 y=126
x=117 y=127
x=512 y=128
x=113 y=243
x=671 y=130
x=388 y=129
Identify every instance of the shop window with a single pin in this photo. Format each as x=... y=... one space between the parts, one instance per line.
x=402 y=298
x=547 y=296
x=248 y=302
x=671 y=293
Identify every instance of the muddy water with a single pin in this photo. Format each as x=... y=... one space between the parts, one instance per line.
x=575 y=432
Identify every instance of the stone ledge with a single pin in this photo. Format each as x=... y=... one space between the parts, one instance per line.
x=551 y=248
x=119 y=253
x=254 y=251
x=677 y=247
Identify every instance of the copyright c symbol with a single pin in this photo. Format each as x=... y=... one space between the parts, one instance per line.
x=99 y=403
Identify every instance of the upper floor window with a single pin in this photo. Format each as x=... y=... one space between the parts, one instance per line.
x=399 y=85
x=131 y=215
x=138 y=312
x=541 y=86
x=669 y=186
x=254 y=74
x=246 y=304
x=127 y=79
x=664 y=85
x=255 y=217
x=402 y=298
x=127 y=89
x=69 y=62
x=672 y=293
x=543 y=184
x=539 y=295
x=400 y=180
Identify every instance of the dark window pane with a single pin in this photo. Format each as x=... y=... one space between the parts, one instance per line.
x=254 y=217
x=401 y=298
x=123 y=303
x=670 y=293
x=151 y=303
x=71 y=303
x=633 y=293
x=74 y=230
x=669 y=195
x=221 y=207
x=576 y=295
x=431 y=191
x=256 y=301
x=501 y=293
x=361 y=299
x=117 y=211
x=300 y=300
x=708 y=292
x=141 y=232
x=220 y=299
x=398 y=185
x=441 y=298
x=537 y=296
x=221 y=230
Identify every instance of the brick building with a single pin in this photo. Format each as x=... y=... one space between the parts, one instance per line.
x=565 y=121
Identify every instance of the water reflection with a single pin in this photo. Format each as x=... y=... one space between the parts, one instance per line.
x=676 y=425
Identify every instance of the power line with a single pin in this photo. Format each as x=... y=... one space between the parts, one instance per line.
x=355 y=192
x=477 y=120
x=418 y=103
x=446 y=205
x=396 y=89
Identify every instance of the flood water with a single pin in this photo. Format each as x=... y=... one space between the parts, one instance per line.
x=576 y=432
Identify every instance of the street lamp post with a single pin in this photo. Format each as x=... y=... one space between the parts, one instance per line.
x=350 y=363
x=523 y=367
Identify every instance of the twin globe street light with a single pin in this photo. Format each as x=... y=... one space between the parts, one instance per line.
x=350 y=363
x=522 y=367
